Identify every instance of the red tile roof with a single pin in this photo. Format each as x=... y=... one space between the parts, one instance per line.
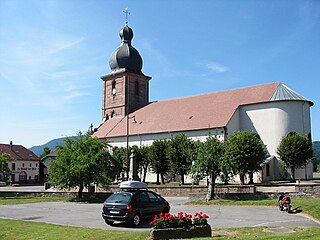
x=18 y=152
x=188 y=113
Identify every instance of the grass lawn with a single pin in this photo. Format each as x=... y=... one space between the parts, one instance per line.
x=25 y=230
x=31 y=199
x=310 y=206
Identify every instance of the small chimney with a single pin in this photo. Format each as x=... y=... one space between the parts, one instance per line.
x=11 y=145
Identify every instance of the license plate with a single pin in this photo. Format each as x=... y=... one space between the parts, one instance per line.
x=114 y=212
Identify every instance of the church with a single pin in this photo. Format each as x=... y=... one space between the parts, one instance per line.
x=128 y=118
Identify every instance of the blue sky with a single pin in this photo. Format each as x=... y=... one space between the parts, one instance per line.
x=53 y=53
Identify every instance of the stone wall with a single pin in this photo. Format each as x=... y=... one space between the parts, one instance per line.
x=193 y=192
x=190 y=190
x=312 y=190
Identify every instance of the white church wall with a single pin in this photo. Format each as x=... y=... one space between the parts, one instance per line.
x=234 y=123
x=274 y=120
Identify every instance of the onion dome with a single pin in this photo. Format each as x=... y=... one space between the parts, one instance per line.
x=126 y=57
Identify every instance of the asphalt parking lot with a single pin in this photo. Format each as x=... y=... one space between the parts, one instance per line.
x=89 y=215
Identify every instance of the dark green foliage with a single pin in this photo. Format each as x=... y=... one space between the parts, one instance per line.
x=142 y=158
x=315 y=164
x=246 y=152
x=294 y=151
x=180 y=153
x=316 y=150
x=159 y=160
x=5 y=158
x=209 y=156
x=119 y=158
x=81 y=162
x=45 y=152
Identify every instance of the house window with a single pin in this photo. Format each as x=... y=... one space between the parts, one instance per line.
x=30 y=165
x=22 y=164
x=36 y=164
x=13 y=167
x=267 y=169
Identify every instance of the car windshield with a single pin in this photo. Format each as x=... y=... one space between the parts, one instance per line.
x=123 y=197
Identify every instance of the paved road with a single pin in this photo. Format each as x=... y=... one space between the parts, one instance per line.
x=89 y=215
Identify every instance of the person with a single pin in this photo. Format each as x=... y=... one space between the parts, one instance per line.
x=281 y=197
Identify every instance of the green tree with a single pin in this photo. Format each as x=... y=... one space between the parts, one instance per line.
x=294 y=151
x=159 y=160
x=142 y=159
x=227 y=170
x=45 y=152
x=81 y=162
x=314 y=163
x=5 y=158
x=246 y=152
x=119 y=158
x=209 y=156
x=180 y=152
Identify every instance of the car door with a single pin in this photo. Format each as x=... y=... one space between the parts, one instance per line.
x=145 y=205
x=156 y=205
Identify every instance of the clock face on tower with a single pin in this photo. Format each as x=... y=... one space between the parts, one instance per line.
x=114 y=91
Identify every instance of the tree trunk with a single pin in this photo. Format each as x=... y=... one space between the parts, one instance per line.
x=293 y=173
x=162 y=178
x=251 y=177
x=80 y=190
x=211 y=185
x=144 y=174
x=182 y=179
x=226 y=178
x=158 y=177
x=241 y=178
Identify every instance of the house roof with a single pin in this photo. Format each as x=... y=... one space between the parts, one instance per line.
x=18 y=152
x=283 y=92
x=204 y=111
x=50 y=155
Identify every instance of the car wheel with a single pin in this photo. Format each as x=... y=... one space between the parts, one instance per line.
x=108 y=222
x=136 y=220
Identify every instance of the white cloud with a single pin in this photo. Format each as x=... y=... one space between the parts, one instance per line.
x=216 y=67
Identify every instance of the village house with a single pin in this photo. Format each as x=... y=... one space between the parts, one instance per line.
x=25 y=166
x=128 y=118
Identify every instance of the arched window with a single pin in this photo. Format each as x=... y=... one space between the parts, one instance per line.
x=113 y=88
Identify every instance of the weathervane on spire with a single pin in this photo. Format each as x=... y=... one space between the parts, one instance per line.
x=127 y=13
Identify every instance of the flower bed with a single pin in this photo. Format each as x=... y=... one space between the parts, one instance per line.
x=184 y=225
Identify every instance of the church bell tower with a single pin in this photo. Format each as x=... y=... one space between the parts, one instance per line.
x=126 y=88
